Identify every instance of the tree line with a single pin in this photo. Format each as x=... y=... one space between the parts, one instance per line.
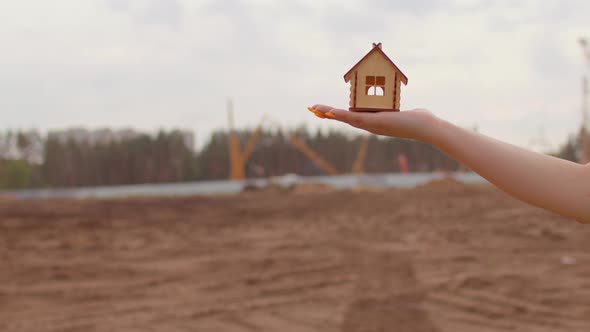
x=30 y=160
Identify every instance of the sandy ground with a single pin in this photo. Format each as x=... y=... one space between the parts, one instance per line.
x=442 y=257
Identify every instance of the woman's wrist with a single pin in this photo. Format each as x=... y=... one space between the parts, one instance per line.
x=432 y=129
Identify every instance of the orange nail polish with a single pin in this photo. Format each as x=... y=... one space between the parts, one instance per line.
x=318 y=113
x=330 y=115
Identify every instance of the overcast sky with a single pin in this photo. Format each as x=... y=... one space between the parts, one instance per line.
x=511 y=68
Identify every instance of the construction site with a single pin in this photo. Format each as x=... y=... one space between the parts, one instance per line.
x=239 y=156
x=442 y=256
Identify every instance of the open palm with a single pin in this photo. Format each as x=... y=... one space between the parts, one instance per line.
x=558 y=185
x=407 y=124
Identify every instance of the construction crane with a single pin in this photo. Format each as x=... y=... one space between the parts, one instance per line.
x=358 y=166
x=236 y=171
x=238 y=158
x=584 y=134
x=300 y=145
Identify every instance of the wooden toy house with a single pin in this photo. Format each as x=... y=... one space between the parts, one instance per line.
x=375 y=83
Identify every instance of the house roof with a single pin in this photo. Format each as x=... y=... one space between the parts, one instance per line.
x=376 y=48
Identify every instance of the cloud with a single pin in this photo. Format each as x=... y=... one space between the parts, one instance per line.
x=549 y=59
x=156 y=12
x=416 y=7
x=152 y=63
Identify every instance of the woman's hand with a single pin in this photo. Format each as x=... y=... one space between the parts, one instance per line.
x=415 y=124
x=554 y=184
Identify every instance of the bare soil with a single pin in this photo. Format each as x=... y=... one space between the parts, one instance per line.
x=442 y=257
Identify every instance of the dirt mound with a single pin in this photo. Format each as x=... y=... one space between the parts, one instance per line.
x=368 y=189
x=445 y=184
x=313 y=188
x=6 y=198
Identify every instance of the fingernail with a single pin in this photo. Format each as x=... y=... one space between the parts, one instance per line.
x=317 y=113
x=330 y=115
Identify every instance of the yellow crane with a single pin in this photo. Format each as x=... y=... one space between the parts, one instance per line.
x=239 y=158
x=236 y=172
x=358 y=167
x=584 y=134
x=320 y=162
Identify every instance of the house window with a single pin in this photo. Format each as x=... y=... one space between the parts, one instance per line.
x=375 y=85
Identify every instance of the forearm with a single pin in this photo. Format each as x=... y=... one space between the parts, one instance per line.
x=548 y=182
